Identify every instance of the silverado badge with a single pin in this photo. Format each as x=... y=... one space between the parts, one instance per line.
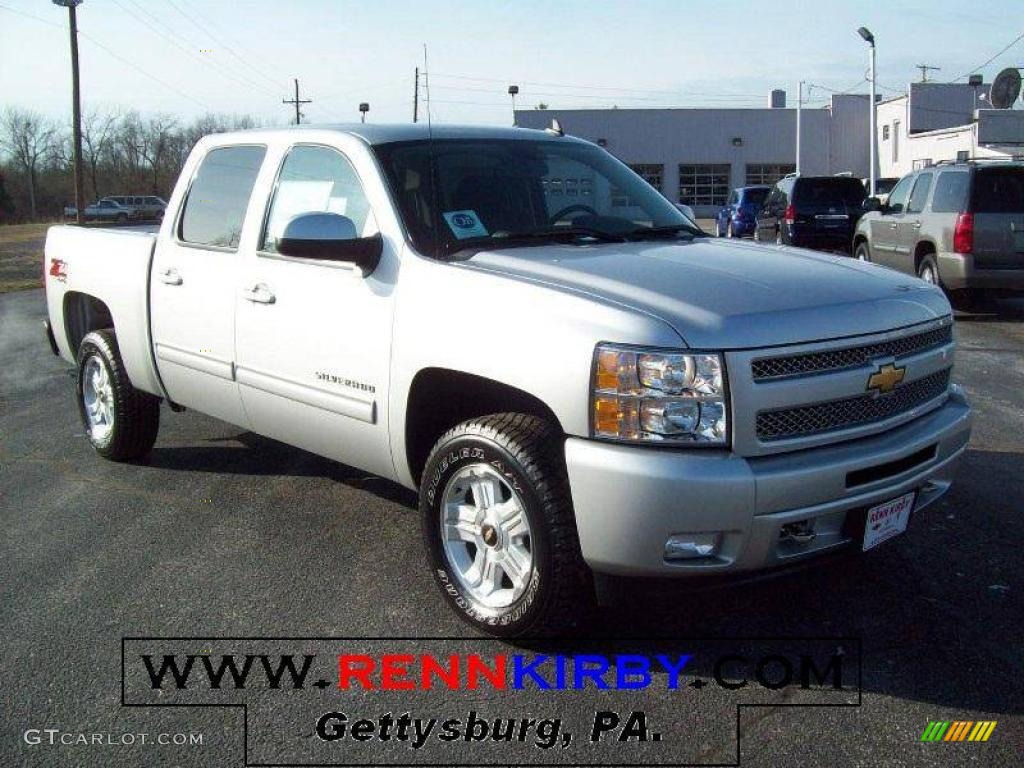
x=886 y=378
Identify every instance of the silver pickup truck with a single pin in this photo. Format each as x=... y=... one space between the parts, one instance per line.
x=577 y=381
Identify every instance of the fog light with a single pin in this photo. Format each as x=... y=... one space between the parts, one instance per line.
x=802 y=532
x=691 y=546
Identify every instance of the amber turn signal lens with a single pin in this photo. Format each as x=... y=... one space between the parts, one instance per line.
x=607 y=415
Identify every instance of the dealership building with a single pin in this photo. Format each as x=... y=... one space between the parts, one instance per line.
x=696 y=156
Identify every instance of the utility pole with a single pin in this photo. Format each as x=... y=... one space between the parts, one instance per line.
x=799 y=109
x=297 y=102
x=924 y=71
x=76 y=107
x=416 y=98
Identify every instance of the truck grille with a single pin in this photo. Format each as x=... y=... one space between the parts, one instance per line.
x=863 y=409
x=833 y=360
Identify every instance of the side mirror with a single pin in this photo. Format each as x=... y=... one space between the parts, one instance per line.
x=872 y=204
x=330 y=237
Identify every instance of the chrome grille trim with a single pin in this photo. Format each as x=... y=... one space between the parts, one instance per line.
x=835 y=415
x=832 y=360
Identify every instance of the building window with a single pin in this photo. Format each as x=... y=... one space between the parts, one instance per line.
x=885 y=133
x=704 y=184
x=768 y=173
x=650 y=173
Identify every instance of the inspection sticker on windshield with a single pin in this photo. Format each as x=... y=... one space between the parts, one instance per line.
x=465 y=224
x=887 y=520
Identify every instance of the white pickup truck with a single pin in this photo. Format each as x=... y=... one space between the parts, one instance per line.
x=578 y=382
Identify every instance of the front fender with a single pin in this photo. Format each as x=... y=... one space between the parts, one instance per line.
x=528 y=335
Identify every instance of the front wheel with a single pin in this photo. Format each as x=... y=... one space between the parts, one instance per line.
x=120 y=421
x=861 y=252
x=499 y=527
x=778 y=237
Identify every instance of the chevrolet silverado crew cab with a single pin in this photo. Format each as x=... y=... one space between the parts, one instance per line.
x=577 y=381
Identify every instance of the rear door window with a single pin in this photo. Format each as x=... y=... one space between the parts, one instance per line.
x=217 y=200
x=998 y=190
x=950 y=192
x=920 y=194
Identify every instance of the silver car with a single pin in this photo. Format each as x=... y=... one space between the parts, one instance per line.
x=956 y=225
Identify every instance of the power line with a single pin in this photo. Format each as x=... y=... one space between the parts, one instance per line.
x=982 y=66
x=110 y=52
x=589 y=87
x=186 y=47
x=207 y=31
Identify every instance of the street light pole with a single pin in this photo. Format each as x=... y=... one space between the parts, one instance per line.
x=865 y=33
x=799 y=105
x=76 y=108
x=512 y=91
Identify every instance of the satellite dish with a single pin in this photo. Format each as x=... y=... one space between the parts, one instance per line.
x=1005 y=88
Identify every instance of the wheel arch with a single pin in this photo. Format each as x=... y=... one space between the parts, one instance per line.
x=440 y=398
x=922 y=249
x=84 y=313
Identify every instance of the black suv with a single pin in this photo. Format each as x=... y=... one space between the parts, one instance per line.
x=812 y=212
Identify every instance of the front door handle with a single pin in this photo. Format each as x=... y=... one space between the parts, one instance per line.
x=259 y=294
x=893 y=225
x=170 y=276
x=916 y=225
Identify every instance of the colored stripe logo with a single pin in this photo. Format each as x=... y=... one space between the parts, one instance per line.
x=958 y=730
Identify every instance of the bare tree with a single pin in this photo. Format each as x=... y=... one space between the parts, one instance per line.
x=28 y=138
x=98 y=130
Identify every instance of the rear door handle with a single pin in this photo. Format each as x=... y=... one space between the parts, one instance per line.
x=259 y=294
x=170 y=276
x=916 y=225
x=893 y=225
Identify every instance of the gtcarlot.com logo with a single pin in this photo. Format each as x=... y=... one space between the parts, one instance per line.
x=958 y=730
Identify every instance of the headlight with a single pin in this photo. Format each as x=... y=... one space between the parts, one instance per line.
x=659 y=397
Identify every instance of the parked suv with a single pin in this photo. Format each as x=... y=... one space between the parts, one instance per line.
x=958 y=225
x=143 y=207
x=739 y=214
x=817 y=212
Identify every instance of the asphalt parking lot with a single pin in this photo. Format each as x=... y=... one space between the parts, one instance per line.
x=224 y=533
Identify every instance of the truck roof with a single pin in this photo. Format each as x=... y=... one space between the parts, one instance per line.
x=383 y=133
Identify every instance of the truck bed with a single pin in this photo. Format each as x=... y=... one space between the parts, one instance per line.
x=112 y=265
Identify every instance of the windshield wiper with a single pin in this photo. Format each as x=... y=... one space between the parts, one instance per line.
x=671 y=229
x=533 y=237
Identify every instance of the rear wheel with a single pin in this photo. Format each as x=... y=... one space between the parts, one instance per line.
x=862 y=252
x=718 y=228
x=500 y=530
x=728 y=231
x=122 y=218
x=778 y=237
x=928 y=270
x=120 y=421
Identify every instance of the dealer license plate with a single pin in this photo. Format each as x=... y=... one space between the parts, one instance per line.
x=887 y=520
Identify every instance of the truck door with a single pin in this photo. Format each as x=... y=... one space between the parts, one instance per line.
x=885 y=226
x=314 y=336
x=194 y=282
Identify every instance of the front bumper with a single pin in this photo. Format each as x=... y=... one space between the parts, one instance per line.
x=630 y=500
x=959 y=271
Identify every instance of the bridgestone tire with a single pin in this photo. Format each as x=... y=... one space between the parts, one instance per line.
x=136 y=415
x=528 y=455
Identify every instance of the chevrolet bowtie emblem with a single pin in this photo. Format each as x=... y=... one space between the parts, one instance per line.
x=886 y=378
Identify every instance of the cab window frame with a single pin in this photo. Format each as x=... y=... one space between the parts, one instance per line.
x=180 y=213
x=269 y=205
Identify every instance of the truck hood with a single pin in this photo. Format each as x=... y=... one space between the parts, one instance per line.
x=725 y=294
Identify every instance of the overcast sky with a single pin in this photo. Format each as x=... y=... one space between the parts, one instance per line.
x=186 y=57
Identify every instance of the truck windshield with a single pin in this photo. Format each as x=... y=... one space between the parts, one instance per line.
x=471 y=194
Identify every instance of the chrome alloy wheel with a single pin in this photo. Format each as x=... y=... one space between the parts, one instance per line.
x=486 y=536
x=98 y=396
